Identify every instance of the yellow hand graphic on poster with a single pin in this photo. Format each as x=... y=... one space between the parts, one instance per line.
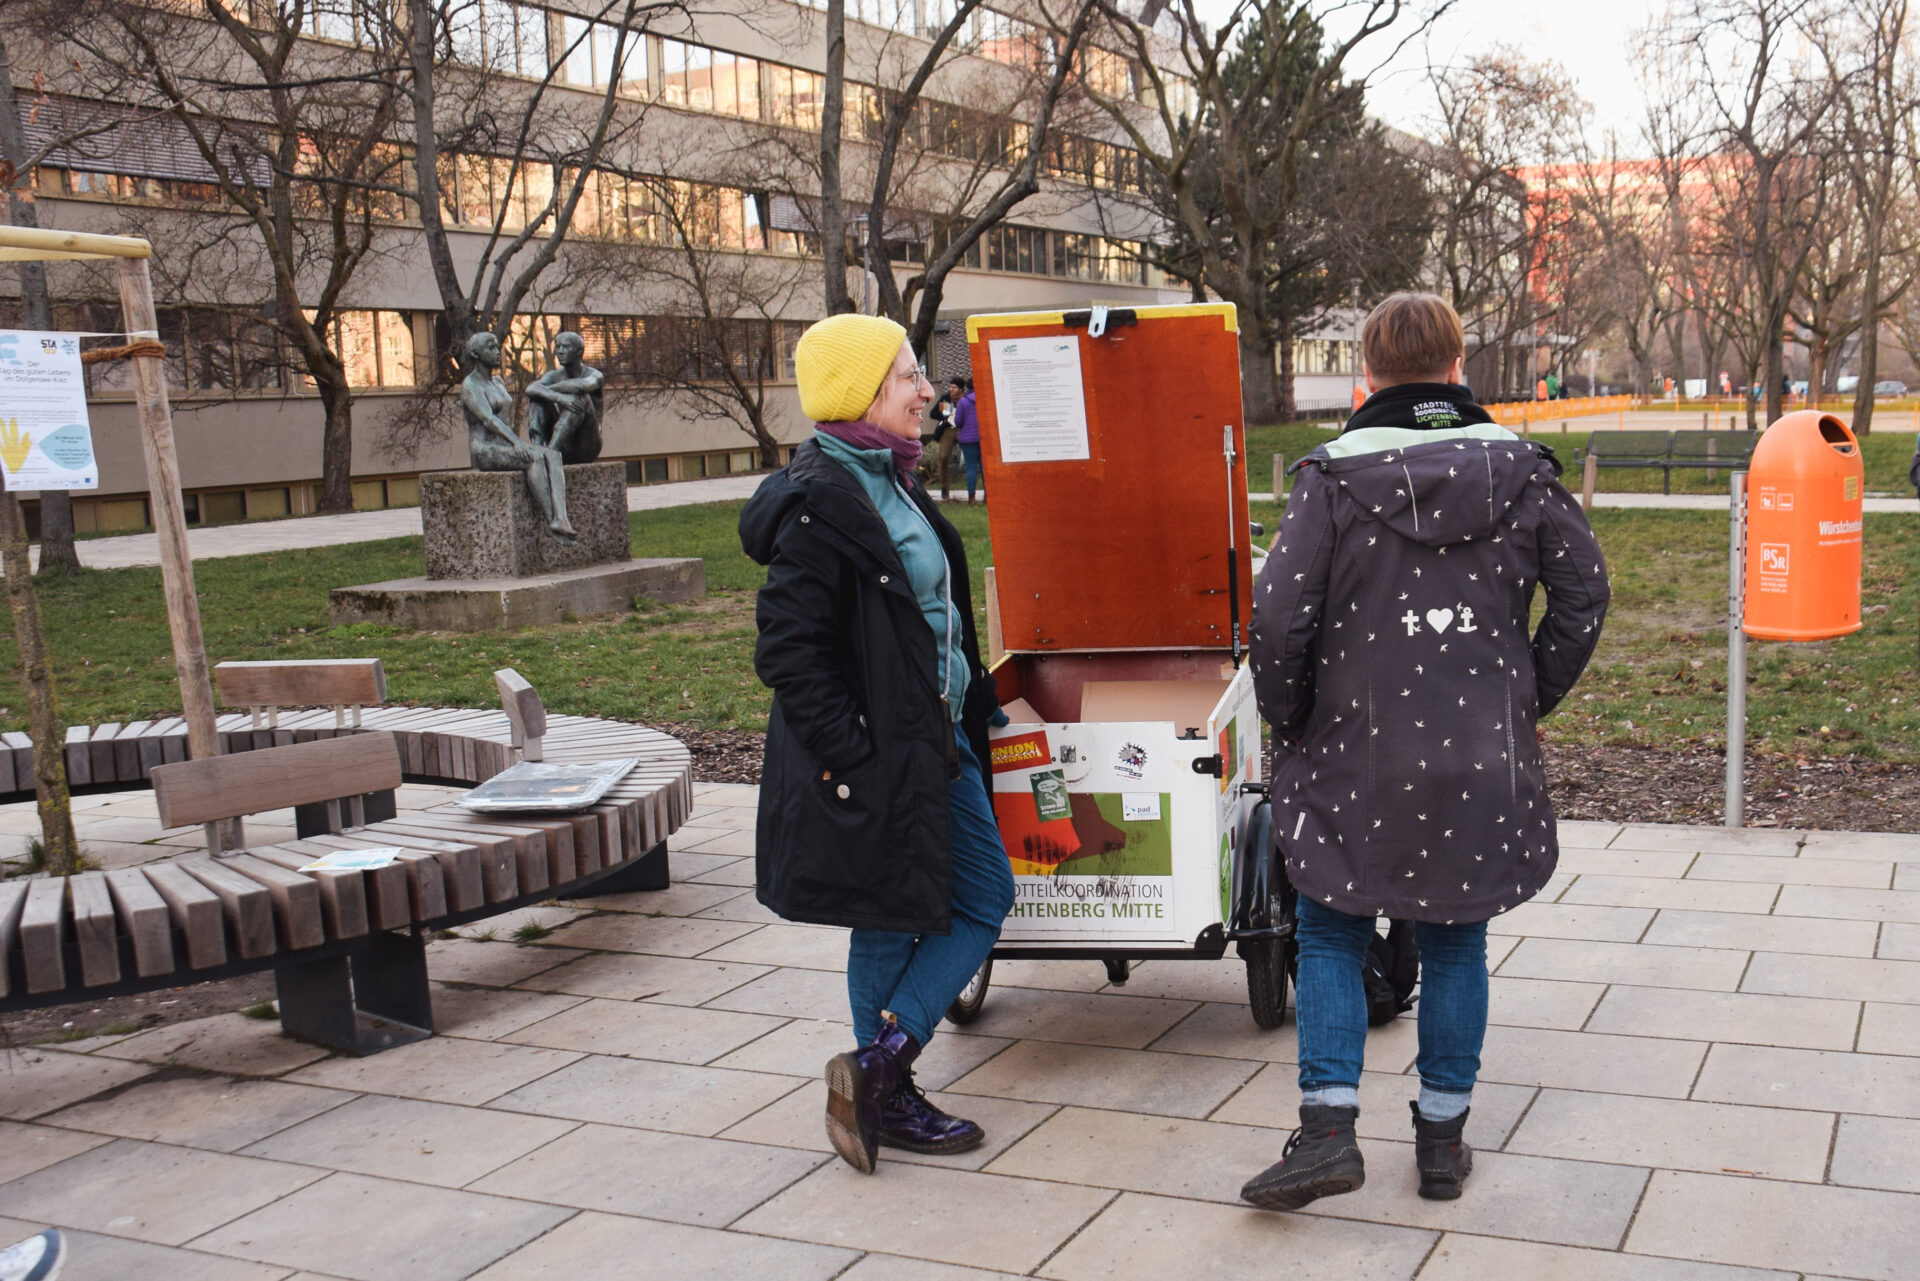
x=14 y=444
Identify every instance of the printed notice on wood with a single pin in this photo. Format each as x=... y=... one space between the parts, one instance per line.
x=1041 y=401
x=44 y=439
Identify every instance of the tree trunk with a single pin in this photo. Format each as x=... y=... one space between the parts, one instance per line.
x=1289 y=405
x=57 y=555
x=1257 y=399
x=43 y=719
x=1816 y=371
x=1869 y=344
x=1772 y=368
x=336 y=447
x=833 y=213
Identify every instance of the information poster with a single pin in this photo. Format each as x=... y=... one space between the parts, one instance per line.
x=1039 y=398
x=45 y=442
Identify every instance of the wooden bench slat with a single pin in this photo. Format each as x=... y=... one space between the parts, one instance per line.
x=530 y=841
x=79 y=762
x=13 y=900
x=244 y=903
x=499 y=855
x=95 y=929
x=302 y=683
x=226 y=787
x=384 y=889
x=144 y=916
x=43 y=934
x=100 y=752
x=528 y=845
x=295 y=897
x=195 y=911
x=459 y=863
x=343 y=892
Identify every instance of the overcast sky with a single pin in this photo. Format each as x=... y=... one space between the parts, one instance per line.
x=1592 y=40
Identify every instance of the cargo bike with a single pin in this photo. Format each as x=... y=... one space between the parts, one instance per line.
x=1127 y=784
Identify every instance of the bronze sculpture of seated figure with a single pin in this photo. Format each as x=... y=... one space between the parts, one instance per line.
x=564 y=404
x=493 y=445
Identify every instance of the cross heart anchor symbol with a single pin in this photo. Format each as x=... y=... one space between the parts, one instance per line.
x=1440 y=620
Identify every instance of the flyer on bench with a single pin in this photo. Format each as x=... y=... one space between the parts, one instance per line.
x=1039 y=399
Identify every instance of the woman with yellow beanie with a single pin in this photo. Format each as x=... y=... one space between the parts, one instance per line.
x=873 y=801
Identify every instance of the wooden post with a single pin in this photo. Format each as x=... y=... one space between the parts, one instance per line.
x=1589 y=476
x=1279 y=476
x=62 y=851
x=169 y=513
x=995 y=645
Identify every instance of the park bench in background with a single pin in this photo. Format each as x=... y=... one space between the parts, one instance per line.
x=1665 y=450
x=346 y=946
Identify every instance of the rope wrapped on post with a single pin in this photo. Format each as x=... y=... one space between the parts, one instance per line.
x=132 y=350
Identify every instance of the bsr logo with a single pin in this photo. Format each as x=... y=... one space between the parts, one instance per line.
x=1773 y=558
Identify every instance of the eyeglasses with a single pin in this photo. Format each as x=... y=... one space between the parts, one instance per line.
x=915 y=376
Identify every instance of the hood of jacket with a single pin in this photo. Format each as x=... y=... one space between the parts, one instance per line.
x=814 y=481
x=1450 y=483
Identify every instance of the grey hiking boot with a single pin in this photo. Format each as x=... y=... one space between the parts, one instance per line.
x=1442 y=1156
x=1321 y=1159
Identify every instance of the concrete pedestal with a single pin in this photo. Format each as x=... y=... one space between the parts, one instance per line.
x=486 y=604
x=484 y=524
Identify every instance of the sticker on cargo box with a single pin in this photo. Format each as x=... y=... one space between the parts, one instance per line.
x=1050 y=795
x=1140 y=807
x=1850 y=488
x=1131 y=761
x=1021 y=751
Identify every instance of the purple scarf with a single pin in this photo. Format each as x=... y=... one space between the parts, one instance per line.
x=864 y=435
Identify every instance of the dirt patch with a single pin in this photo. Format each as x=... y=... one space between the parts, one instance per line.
x=1605 y=784
x=122 y=1015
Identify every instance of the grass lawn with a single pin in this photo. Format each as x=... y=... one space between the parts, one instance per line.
x=1886 y=456
x=1658 y=680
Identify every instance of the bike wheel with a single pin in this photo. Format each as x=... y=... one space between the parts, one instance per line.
x=966 y=1006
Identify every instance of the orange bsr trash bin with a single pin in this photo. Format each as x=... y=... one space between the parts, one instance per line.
x=1804 y=505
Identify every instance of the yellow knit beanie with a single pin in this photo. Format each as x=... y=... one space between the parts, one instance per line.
x=841 y=363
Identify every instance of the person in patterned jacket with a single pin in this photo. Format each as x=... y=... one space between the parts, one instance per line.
x=1392 y=658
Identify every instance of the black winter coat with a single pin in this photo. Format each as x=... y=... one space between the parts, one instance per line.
x=853 y=668
x=1391 y=656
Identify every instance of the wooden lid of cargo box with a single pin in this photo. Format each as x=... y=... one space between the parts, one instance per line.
x=1111 y=533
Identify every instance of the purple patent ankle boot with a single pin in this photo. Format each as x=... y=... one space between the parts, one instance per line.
x=911 y=1121
x=859 y=1083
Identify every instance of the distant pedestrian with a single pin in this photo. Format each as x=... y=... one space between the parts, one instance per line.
x=873 y=805
x=946 y=431
x=1391 y=656
x=1913 y=468
x=966 y=418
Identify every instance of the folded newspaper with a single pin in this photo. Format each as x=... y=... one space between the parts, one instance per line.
x=533 y=786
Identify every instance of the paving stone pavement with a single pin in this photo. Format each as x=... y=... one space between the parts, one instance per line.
x=1704 y=1065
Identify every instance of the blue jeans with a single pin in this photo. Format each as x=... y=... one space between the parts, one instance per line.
x=1331 y=1002
x=970 y=451
x=916 y=976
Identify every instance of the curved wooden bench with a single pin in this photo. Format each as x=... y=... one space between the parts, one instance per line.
x=341 y=942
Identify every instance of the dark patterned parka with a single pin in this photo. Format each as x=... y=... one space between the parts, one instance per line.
x=1391 y=655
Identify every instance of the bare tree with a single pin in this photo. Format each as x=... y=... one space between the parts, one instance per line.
x=297 y=135
x=1500 y=117
x=1265 y=78
x=1877 y=102
x=57 y=553
x=716 y=347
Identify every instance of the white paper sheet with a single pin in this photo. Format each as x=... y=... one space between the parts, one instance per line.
x=1039 y=398
x=45 y=442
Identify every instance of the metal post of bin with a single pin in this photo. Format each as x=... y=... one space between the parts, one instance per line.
x=1737 y=652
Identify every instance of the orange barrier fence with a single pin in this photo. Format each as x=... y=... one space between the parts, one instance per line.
x=1517 y=412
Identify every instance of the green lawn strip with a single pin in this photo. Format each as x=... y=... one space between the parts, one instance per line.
x=1886 y=456
x=1657 y=681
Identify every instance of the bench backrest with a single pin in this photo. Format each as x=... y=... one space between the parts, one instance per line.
x=526 y=714
x=1732 y=446
x=338 y=683
x=224 y=787
x=1629 y=444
